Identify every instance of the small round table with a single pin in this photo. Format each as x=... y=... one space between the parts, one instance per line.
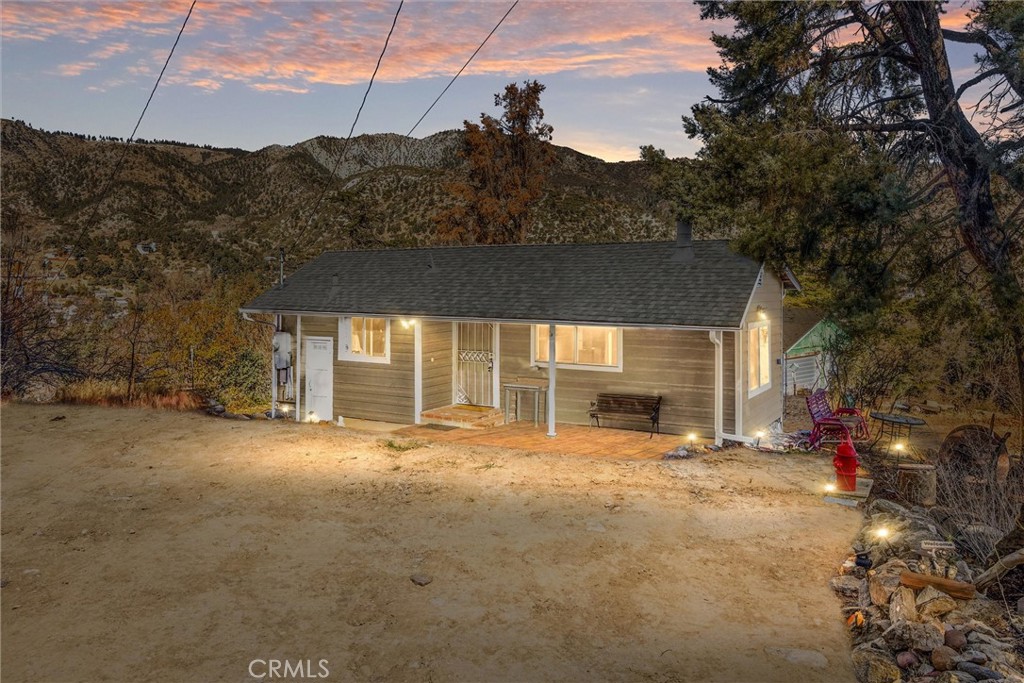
x=894 y=425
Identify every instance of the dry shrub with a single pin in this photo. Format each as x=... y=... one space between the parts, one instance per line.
x=111 y=393
x=979 y=491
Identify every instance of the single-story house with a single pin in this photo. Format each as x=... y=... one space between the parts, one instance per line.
x=390 y=334
x=806 y=339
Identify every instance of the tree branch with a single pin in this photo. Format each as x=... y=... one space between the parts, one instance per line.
x=975 y=81
x=916 y=125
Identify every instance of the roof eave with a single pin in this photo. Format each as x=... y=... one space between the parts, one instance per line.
x=509 y=321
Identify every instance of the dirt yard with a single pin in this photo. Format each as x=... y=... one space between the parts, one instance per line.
x=152 y=546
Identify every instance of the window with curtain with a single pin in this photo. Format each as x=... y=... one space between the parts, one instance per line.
x=581 y=346
x=759 y=361
x=364 y=339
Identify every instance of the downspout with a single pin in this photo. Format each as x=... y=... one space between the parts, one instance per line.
x=720 y=435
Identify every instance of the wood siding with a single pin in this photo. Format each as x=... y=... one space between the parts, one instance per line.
x=437 y=364
x=367 y=391
x=729 y=383
x=676 y=364
x=764 y=409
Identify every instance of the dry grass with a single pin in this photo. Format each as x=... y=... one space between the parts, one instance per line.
x=108 y=393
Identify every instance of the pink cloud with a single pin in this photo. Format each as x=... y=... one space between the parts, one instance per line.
x=296 y=44
x=278 y=87
x=76 y=69
x=110 y=50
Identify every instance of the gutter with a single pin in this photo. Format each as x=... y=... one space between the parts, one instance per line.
x=502 y=321
x=246 y=315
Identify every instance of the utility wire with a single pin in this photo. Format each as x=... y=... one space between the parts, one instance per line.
x=459 y=73
x=479 y=47
x=344 y=149
x=117 y=167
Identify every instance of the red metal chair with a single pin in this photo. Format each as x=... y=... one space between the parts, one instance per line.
x=834 y=425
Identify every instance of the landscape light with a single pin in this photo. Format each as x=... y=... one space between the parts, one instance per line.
x=692 y=437
x=882 y=532
x=285 y=408
x=759 y=435
x=829 y=488
x=898 y=447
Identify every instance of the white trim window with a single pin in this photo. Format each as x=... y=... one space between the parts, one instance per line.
x=366 y=340
x=581 y=347
x=759 y=357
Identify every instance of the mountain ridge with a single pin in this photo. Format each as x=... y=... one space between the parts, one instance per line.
x=226 y=209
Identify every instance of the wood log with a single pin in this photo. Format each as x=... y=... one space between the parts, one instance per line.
x=1005 y=564
x=954 y=589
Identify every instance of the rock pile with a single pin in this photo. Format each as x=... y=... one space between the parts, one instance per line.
x=906 y=634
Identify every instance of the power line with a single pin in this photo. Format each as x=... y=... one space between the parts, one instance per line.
x=459 y=73
x=450 y=83
x=344 y=149
x=124 y=153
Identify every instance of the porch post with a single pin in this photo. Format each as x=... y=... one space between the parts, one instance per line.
x=417 y=371
x=551 y=380
x=298 y=368
x=496 y=366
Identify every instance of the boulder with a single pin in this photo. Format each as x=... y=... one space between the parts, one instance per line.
x=944 y=658
x=902 y=605
x=884 y=581
x=909 y=635
x=934 y=603
x=974 y=657
x=847 y=585
x=955 y=639
x=979 y=672
x=875 y=666
x=978 y=638
x=907 y=659
x=881 y=505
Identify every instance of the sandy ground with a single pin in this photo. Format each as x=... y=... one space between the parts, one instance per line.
x=141 y=545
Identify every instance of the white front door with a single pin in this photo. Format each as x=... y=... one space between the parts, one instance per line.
x=319 y=357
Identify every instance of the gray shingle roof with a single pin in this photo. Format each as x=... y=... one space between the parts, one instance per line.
x=633 y=284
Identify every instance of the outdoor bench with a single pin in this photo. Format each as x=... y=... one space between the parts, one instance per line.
x=627 y=405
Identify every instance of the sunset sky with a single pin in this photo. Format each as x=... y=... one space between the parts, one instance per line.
x=250 y=74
